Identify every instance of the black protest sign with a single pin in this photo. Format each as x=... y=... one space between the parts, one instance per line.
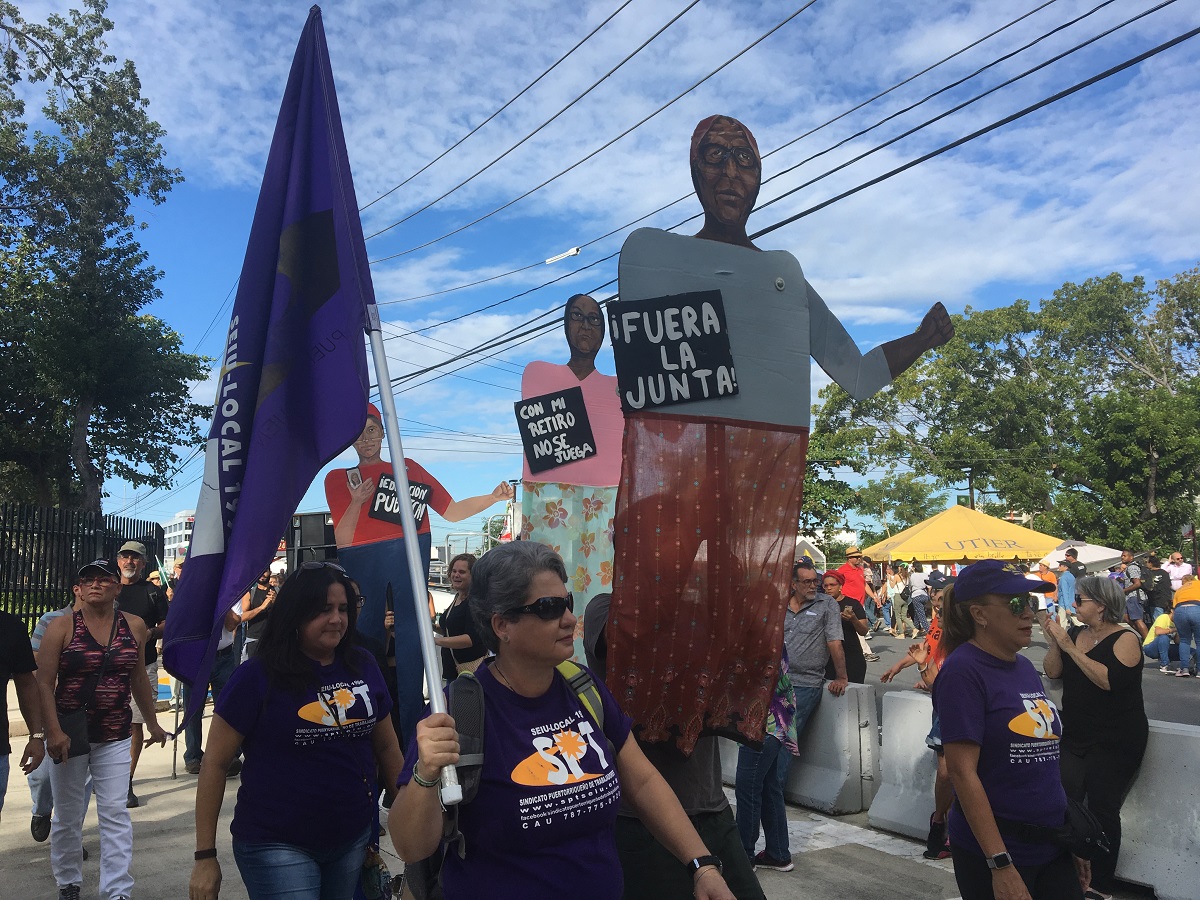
x=555 y=429
x=671 y=350
x=385 y=506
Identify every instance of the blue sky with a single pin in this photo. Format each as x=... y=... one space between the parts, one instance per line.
x=1102 y=181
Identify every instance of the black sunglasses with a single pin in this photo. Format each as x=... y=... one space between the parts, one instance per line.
x=545 y=608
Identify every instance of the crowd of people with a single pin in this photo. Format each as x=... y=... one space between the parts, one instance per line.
x=297 y=691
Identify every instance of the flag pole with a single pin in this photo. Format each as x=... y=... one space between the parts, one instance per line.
x=451 y=792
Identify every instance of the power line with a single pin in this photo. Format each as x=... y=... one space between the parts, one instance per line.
x=675 y=202
x=593 y=86
x=513 y=100
x=602 y=147
x=1007 y=120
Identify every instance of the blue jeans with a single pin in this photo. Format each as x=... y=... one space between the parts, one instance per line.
x=223 y=666
x=287 y=872
x=1159 y=648
x=1187 y=623
x=3 y=779
x=887 y=615
x=759 y=794
x=761 y=776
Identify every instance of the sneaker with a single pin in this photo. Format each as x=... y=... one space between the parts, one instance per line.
x=70 y=892
x=1183 y=673
x=192 y=768
x=942 y=852
x=868 y=635
x=1165 y=670
x=872 y=657
x=39 y=827
x=762 y=861
x=132 y=801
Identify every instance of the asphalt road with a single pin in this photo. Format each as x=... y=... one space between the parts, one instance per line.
x=1167 y=699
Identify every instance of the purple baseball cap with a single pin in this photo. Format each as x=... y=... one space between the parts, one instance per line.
x=994 y=576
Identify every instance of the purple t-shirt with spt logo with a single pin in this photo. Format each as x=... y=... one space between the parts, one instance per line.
x=306 y=753
x=543 y=823
x=1002 y=707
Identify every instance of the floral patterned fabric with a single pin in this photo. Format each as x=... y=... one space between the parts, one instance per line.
x=781 y=715
x=577 y=522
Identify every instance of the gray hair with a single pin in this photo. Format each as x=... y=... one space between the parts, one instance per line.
x=1107 y=593
x=500 y=581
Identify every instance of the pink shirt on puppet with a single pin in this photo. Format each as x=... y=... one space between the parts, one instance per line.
x=604 y=414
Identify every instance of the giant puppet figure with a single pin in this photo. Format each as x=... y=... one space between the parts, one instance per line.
x=370 y=542
x=569 y=505
x=712 y=340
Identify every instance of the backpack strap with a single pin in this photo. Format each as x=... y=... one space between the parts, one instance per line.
x=584 y=686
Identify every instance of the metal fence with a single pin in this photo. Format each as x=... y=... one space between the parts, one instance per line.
x=41 y=549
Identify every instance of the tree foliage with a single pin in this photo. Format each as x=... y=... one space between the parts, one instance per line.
x=1083 y=412
x=96 y=388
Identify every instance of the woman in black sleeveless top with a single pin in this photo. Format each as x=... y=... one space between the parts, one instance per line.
x=1104 y=718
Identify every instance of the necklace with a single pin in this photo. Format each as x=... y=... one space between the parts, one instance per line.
x=1096 y=638
x=507 y=683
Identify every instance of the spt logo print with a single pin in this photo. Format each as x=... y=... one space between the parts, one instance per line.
x=569 y=773
x=559 y=756
x=1037 y=721
x=334 y=703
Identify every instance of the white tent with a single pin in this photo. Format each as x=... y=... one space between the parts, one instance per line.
x=1094 y=556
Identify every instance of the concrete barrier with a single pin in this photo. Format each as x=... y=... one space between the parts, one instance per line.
x=905 y=796
x=1160 y=820
x=838 y=767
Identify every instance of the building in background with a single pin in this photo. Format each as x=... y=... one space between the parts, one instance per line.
x=177 y=536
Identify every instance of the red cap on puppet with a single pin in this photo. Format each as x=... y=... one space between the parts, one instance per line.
x=373 y=411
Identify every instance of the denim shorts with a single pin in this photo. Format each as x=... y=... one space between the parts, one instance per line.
x=933 y=740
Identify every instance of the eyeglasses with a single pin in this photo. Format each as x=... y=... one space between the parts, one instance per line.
x=593 y=319
x=807 y=580
x=97 y=579
x=831 y=584
x=1018 y=604
x=1176 y=559
x=546 y=608
x=715 y=155
x=322 y=564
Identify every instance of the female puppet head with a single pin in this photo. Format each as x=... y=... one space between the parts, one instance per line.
x=726 y=172
x=583 y=321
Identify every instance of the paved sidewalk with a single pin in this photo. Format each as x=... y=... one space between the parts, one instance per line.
x=836 y=857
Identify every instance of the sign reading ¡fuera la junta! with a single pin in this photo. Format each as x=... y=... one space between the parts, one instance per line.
x=555 y=429
x=671 y=350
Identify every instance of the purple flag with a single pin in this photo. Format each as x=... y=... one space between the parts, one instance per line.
x=292 y=391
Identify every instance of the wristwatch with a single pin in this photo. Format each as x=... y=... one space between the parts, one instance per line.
x=999 y=861
x=701 y=862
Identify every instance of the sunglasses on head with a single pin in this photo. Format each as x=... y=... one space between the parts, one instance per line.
x=322 y=564
x=546 y=608
x=1021 y=602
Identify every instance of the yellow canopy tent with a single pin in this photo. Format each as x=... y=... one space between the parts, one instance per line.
x=963 y=533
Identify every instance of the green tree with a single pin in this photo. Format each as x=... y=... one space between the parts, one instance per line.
x=1082 y=412
x=98 y=388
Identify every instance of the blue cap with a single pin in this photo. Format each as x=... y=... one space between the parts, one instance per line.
x=994 y=576
x=939 y=581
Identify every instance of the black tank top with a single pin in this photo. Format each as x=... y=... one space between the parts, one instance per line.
x=1092 y=715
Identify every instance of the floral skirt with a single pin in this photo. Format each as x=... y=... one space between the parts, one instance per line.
x=577 y=522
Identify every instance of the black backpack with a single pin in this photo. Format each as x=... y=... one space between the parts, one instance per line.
x=465 y=705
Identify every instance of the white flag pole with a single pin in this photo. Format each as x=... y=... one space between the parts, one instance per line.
x=451 y=792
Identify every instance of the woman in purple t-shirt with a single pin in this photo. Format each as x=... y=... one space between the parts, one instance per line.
x=1001 y=737
x=543 y=821
x=310 y=711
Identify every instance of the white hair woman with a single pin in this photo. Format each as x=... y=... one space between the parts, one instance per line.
x=1104 y=718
